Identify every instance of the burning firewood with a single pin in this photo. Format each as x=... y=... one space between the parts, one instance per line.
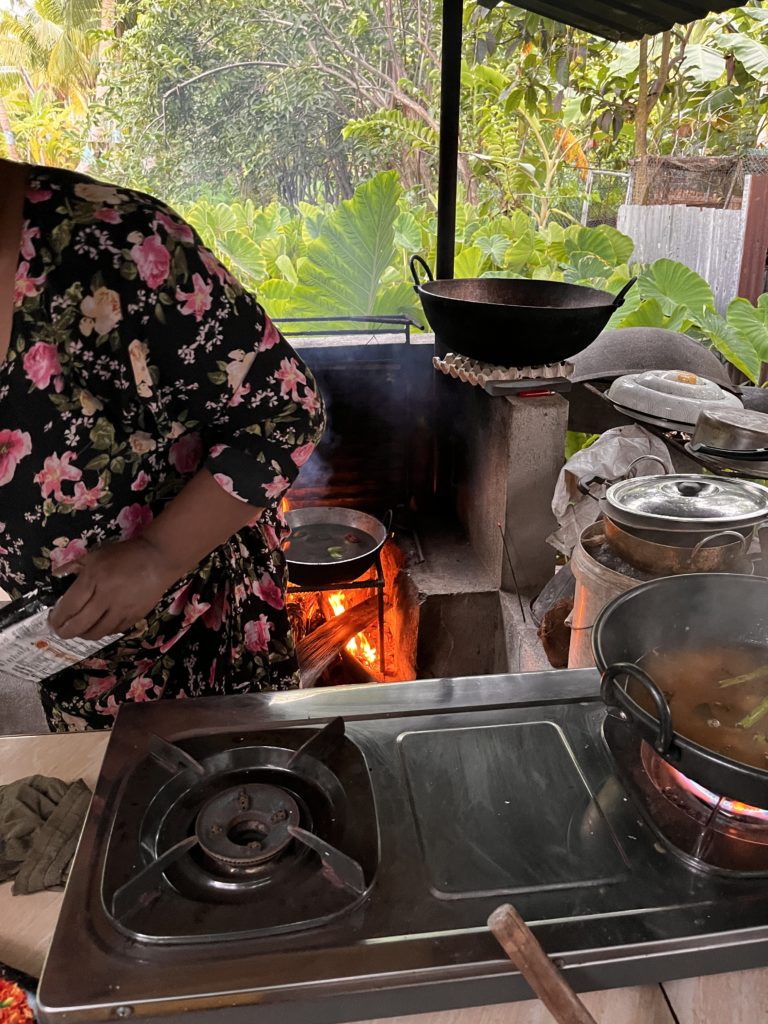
x=317 y=651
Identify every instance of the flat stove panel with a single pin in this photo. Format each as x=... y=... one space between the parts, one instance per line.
x=502 y=809
x=406 y=948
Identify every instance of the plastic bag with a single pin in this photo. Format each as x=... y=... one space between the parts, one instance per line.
x=610 y=456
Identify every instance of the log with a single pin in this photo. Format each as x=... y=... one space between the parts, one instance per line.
x=317 y=651
x=523 y=949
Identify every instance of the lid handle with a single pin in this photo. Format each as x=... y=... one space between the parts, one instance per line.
x=690 y=488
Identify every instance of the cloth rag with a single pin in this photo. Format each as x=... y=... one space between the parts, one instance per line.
x=40 y=823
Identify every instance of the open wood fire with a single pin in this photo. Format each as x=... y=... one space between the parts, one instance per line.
x=323 y=643
x=320 y=645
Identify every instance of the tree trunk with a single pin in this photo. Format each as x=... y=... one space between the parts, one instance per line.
x=640 y=177
x=108 y=22
x=5 y=127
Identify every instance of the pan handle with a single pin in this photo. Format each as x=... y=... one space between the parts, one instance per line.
x=419 y=261
x=619 y=300
x=744 y=540
x=615 y=696
x=387 y=520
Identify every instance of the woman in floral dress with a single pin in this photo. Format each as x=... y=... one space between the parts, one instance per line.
x=151 y=420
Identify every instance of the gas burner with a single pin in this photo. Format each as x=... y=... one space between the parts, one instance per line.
x=706 y=831
x=681 y=790
x=246 y=825
x=235 y=824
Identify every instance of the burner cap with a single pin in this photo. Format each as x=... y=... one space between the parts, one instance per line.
x=247 y=825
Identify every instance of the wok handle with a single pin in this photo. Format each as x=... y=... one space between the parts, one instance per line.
x=619 y=300
x=745 y=541
x=421 y=262
x=524 y=950
x=387 y=520
x=615 y=696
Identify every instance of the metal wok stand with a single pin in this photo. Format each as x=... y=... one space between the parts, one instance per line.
x=377 y=583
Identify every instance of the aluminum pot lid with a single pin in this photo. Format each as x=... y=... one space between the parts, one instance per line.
x=688 y=500
x=670 y=395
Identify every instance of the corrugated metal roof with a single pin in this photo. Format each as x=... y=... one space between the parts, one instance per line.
x=625 y=19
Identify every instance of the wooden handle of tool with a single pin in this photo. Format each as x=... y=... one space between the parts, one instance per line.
x=523 y=949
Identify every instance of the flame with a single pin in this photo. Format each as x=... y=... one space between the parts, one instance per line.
x=732 y=808
x=358 y=645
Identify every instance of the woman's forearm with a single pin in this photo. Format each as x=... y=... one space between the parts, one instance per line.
x=118 y=584
x=200 y=518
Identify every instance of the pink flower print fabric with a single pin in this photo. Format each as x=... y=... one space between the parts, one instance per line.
x=136 y=360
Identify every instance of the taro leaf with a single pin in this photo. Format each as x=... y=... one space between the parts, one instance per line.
x=749 y=52
x=223 y=219
x=702 y=64
x=470 y=262
x=243 y=254
x=730 y=343
x=673 y=284
x=287 y=269
x=752 y=323
x=407 y=232
x=493 y=246
x=278 y=297
x=584 y=267
x=646 y=314
x=347 y=260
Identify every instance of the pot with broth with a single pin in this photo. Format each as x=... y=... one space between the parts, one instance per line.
x=718 y=698
x=692 y=651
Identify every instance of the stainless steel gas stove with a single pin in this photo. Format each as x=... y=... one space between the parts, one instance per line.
x=333 y=855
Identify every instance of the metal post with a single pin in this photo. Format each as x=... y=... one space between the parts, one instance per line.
x=450 y=89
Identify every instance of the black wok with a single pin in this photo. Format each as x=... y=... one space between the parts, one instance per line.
x=511 y=322
x=330 y=545
x=672 y=614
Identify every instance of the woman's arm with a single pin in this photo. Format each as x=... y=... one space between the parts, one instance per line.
x=118 y=584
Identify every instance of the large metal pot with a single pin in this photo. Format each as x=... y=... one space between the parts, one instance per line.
x=329 y=524
x=672 y=614
x=687 y=503
x=511 y=322
x=716 y=552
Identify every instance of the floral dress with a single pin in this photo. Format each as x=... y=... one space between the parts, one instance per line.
x=136 y=360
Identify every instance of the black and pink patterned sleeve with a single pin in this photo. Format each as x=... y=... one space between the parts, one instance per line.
x=215 y=371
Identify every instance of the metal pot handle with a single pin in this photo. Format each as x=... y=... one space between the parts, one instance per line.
x=419 y=261
x=745 y=541
x=651 y=458
x=585 y=482
x=619 y=300
x=387 y=520
x=614 y=695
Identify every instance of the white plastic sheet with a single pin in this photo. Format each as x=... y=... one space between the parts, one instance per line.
x=609 y=457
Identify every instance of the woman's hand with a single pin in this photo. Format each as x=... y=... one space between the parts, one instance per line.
x=116 y=587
